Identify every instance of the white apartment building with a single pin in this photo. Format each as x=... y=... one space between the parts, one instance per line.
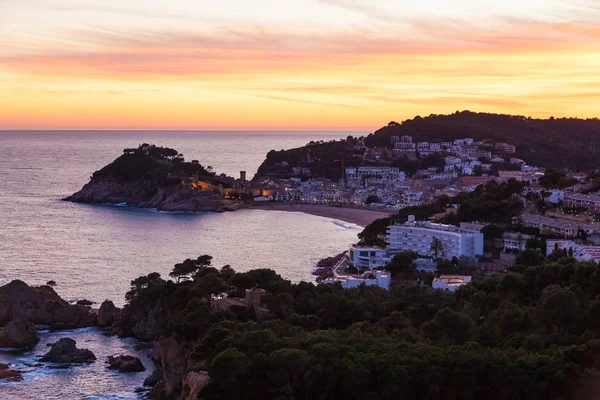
x=425 y=265
x=580 y=252
x=450 y=282
x=391 y=173
x=423 y=146
x=369 y=257
x=435 y=147
x=405 y=145
x=332 y=195
x=590 y=202
x=444 y=176
x=475 y=152
x=418 y=236
x=383 y=279
x=558 y=226
x=514 y=241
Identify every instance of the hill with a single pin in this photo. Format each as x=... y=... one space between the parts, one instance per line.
x=567 y=143
x=157 y=177
x=564 y=143
x=532 y=333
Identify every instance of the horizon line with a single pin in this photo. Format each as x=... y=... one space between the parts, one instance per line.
x=174 y=130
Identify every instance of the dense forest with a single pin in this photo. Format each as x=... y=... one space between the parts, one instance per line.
x=323 y=158
x=162 y=165
x=529 y=334
x=567 y=143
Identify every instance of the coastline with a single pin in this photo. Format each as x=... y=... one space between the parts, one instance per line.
x=357 y=216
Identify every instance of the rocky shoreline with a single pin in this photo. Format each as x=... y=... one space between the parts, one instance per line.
x=24 y=309
x=145 y=195
x=324 y=268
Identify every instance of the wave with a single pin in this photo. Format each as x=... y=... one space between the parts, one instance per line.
x=123 y=204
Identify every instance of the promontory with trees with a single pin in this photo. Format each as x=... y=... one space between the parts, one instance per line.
x=532 y=333
x=159 y=177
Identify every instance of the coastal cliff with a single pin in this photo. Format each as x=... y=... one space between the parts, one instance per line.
x=159 y=178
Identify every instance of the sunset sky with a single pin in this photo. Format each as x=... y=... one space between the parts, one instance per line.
x=292 y=64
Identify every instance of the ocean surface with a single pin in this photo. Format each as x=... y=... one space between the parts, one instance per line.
x=94 y=251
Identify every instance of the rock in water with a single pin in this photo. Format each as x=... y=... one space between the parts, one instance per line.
x=85 y=302
x=65 y=351
x=10 y=375
x=18 y=334
x=107 y=314
x=41 y=305
x=125 y=364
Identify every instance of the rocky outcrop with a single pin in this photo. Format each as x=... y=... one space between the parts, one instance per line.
x=193 y=383
x=65 y=351
x=145 y=194
x=156 y=177
x=107 y=314
x=8 y=374
x=110 y=190
x=173 y=361
x=143 y=321
x=18 y=334
x=84 y=302
x=41 y=305
x=125 y=363
x=154 y=378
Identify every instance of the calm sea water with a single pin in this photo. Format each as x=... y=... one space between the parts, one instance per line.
x=94 y=252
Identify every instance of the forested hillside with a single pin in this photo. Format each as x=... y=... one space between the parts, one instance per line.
x=569 y=143
x=532 y=333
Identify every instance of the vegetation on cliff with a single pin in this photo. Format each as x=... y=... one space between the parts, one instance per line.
x=532 y=333
x=163 y=165
x=157 y=177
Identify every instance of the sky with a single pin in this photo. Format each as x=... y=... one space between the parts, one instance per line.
x=292 y=64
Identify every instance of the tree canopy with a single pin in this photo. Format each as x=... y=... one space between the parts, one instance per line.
x=533 y=332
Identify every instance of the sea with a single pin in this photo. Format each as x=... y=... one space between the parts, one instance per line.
x=94 y=251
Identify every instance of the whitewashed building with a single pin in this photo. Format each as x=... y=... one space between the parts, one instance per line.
x=390 y=173
x=450 y=282
x=418 y=237
x=383 y=279
x=369 y=257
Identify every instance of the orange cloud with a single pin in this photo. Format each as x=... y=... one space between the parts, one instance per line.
x=298 y=77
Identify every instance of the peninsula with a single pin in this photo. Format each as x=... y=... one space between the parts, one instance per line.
x=159 y=177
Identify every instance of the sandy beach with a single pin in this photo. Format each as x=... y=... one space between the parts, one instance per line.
x=358 y=216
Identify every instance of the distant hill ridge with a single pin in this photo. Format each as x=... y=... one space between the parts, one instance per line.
x=556 y=143
x=568 y=143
